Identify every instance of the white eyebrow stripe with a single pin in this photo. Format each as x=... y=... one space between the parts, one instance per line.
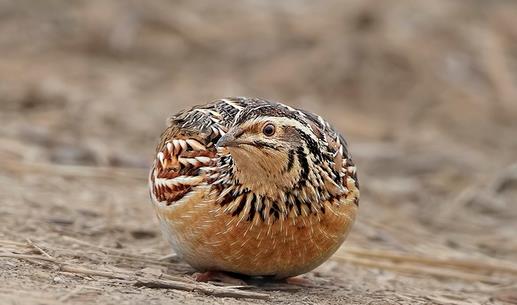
x=287 y=122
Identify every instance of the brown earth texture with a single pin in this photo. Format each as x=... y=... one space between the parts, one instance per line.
x=424 y=91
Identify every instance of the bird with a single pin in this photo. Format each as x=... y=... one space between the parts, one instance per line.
x=253 y=187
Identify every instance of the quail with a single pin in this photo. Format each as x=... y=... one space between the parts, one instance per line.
x=253 y=187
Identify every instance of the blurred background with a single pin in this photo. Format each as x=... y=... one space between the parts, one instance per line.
x=424 y=91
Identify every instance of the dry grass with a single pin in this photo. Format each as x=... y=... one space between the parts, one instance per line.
x=424 y=92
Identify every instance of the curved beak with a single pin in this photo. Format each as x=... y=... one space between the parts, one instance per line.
x=230 y=138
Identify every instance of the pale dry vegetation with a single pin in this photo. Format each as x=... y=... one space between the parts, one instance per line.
x=425 y=92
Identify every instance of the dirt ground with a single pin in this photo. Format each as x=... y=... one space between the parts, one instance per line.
x=424 y=91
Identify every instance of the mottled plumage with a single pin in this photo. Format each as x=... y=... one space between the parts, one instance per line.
x=254 y=187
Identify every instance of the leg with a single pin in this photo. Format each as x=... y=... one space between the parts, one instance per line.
x=218 y=276
x=298 y=281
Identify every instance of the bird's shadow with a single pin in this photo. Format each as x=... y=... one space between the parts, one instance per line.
x=306 y=282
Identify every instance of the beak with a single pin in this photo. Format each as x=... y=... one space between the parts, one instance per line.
x=230 y=138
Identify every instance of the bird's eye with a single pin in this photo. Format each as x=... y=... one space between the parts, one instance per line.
x=268 y=130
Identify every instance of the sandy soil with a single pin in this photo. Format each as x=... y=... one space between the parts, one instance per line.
x=425 y=92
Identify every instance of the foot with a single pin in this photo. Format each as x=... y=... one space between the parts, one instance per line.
x=298 y=281
x=219 y=277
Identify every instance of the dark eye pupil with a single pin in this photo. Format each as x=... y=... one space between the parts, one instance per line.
x=269 y=130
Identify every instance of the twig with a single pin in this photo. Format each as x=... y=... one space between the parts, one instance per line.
x=417 y=270
x=13 y=243
x=208 y=290
x=91 y=272
x=142 y=281
x=486 y=265
x=28 y=257
x=38 y=248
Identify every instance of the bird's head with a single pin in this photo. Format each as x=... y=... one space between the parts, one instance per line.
x=270 y=150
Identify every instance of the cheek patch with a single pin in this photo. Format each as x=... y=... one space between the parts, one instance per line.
x=289 y=134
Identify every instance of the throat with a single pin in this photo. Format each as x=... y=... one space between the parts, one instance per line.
x=264 y=175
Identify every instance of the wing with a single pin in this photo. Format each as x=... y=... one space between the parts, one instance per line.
x=187 y=147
